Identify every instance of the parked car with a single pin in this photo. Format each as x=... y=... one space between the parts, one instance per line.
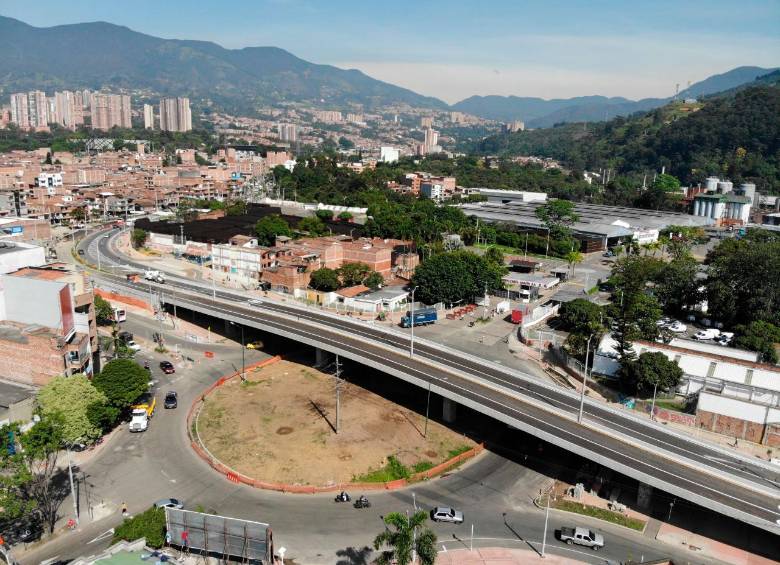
x=677 y=327
x=446 y=514
x=125 y=336
x=582 y=536
x=663 y=322
x=169 y=503
x=709 y=333
x=132 y=345
x=167 y=367
x=724 y=338
x=171 y=399
x=608 y=253
x=254 y=345
x=81 y=252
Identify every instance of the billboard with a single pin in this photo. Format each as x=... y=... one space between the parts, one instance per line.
x=228 y=537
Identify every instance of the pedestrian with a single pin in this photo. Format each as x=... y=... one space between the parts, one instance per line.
x=124 y=509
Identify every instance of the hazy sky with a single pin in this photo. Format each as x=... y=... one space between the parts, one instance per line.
x=453 y=49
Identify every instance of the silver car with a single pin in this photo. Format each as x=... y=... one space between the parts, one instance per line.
x=169 y=503
x=446 y=514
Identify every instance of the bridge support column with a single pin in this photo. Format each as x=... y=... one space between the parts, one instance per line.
x=449 y=410
x=644 y=496
x=322 y=357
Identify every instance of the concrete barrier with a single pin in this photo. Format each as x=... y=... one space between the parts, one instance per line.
x=129 y=300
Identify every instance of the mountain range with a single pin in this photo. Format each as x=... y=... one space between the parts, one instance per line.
x=538 y=112
x=100 y=54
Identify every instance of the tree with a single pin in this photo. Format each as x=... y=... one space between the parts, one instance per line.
x=404 y=540
x=122 y=381
x=667 y=183
x=632 y=318
x=494 y=255
x=139 y=237
x=14 y=477
x=759 y=336
x=104 y=312
x=41 y=446
x=582 y=319
x=557 y=216
x=345 y=143
x=79 y=213
x=353 y=274
x=149 y=525
x=346 y=216
x=102 y=416
x=574 y=258
x=69 y=397
x=324 y=279
x=269 y=227
x=677 y=285
x=326 y=215
x=313 y=225
x=455 y=276
x=374 y=280
x=651 y=369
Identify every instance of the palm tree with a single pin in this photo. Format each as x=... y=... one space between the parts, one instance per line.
x=408 y=537
x=573 y=258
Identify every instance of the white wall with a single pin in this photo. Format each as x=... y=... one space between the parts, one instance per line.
x=33 y=256
x=738 y=409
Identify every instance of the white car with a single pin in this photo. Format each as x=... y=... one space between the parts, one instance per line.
x=677 y=327
x=132 y=345
x=710 y=333
x=663 y=322
x=446 y=514
x=169 y=503
x=724 y=338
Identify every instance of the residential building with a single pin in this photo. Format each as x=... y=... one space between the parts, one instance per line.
x=242 y=258
x=110 y=110
x=288 y=132
x=175 y=114
x=426 y=122
x=355 y=118
x=388 y=154
x=30 y=110
x=514 y=126
x=15 y=255
x=432 y=190
x=148 y=116
x=68 y=110
x=328 y=116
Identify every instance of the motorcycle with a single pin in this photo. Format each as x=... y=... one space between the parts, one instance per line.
x=362 y=502
x=342 y=497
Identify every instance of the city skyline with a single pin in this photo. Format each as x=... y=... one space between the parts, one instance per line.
x=533 y=49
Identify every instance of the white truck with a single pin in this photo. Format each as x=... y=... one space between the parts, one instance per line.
x=139 y=421
x=582 y=536
x=154 y=276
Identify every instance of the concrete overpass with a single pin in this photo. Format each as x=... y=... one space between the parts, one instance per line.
x=716 y=478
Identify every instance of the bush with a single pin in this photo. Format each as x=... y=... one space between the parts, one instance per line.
x=149 y=525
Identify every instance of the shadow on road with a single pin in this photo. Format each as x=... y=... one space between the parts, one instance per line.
x=353 y=556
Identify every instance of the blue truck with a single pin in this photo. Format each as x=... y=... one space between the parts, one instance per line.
x=422 y=317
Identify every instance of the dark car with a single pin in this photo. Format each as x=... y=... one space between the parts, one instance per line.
x=81 y=252
x=167 y=367
x=171 y=400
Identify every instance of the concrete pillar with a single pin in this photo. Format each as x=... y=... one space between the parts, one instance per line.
x=449 y=409
x=697 y=207
x=322 y=357
x=644 y=496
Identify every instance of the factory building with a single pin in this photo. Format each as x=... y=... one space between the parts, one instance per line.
x=723 y=204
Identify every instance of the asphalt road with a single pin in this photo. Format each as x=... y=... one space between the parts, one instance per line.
x=494 y=493
x=686 y=467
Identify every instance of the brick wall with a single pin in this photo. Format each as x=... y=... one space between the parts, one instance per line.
x=734 y=427
x=35 y=361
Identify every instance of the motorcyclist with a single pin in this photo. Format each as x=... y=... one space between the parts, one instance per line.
x=146 y=365
x=363 y=500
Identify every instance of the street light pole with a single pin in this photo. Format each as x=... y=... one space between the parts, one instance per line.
x=72 y=488
x=546 y=518
x=243 y=363
x=652 y=407
x=427 y=408
x=584 y=381
x=411 y=322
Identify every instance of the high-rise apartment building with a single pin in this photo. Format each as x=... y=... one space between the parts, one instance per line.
x=110 y=110
x=68 y=109
x=514 y=126
x=328 y=116
x=288 y=132
x=431 y=137
x=175 y=114
x=426 y=122
x=30 y=110
x=148 y=116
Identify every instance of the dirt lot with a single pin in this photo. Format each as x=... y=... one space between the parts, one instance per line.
x=278 y=427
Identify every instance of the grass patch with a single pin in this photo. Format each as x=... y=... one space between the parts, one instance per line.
x=247 y=383
x=454 y=452
x=422 y=466
x=670 y=405
x=600 y=513
x=149 y=525
x=393 y=471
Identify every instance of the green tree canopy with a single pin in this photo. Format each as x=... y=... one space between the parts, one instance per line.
x=122 y=381
x=581 y=316
x=324 y=279
x=313 y=226
x=494 y=255
x=271 y=226
x=70 y=397
x=557 y=216
x=677 y=285
x=353 y=274
x=374 y=280
x=407 y=537
x=149 y=524
x=649 y=370
x=139 y=237
x=327 y=215
x=759 y=336
x=104 y=313
x=455 y=276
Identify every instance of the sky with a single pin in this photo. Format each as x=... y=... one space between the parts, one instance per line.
x=458 y=48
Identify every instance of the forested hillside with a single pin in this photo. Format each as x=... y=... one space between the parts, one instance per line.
x=735 y=136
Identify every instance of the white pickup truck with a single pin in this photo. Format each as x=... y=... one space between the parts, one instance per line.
x=582 y=536
x=154 y=276
x=139 y=421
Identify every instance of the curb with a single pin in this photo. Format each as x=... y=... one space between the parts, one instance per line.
x=236 y=477
x=642 y=531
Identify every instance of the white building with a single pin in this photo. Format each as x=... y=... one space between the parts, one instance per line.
x=432 y=190
x=49 y=179
x=723 y=204
x=388 y=154
x=242 y=259
x=148 y=116
x=507 y=196
x=17 y=255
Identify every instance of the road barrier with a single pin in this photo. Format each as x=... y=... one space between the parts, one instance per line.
x=236 y=477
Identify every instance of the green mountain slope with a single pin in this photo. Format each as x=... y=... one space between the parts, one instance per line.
x=737 y=136
x=92 y=55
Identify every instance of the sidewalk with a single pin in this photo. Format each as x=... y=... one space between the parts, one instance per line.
x=499 y=556
x=700 y=546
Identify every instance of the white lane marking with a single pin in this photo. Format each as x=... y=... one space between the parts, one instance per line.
x=167 y=476
x=103 y=535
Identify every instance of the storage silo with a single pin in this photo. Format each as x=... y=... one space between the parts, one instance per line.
x=711 y=183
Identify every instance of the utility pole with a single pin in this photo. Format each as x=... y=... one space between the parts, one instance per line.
x=546 y=518
x=72 y=488
x=652 y=407
x=411 y=322
x=427 y=410
x=243 y=362
x=584 y=381
x=338 y=393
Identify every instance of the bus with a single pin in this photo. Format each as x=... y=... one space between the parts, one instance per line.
x=120 y=315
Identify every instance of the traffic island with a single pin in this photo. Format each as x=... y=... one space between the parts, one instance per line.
x=280 y=428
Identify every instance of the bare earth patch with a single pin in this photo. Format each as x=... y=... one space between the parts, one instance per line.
x=278 y=427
